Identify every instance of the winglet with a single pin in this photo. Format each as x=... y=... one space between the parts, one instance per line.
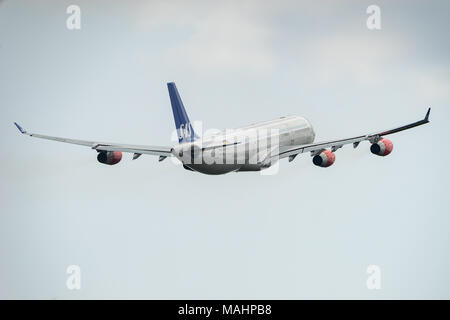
x=20 y=128
x=427 y=115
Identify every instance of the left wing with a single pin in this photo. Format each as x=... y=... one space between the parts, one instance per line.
x=315 y=148
x=106 y=146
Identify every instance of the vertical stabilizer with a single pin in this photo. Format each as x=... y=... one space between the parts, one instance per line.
x=182 y=123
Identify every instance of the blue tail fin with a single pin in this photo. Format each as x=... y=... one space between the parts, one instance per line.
x=182 y=123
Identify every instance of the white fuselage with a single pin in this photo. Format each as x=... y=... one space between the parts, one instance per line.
x=246 y=148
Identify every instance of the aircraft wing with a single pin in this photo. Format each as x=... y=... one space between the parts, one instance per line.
x=106 y=146
x=315 y=148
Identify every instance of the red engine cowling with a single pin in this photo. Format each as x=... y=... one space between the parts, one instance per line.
x=382 y=148
x=109 y=157
x=324 y=159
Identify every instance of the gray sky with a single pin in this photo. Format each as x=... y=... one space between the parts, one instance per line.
x=143 y=229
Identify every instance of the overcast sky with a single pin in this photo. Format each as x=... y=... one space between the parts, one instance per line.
x=144 y=229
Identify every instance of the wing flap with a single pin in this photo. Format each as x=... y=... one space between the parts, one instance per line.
x=152 y=150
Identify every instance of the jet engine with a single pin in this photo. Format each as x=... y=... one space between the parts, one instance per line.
x=109 y=157
x=324 y=159
x=382 y=148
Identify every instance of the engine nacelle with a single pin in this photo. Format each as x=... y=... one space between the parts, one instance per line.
x=324 y=159
x=382 y=148
x=109 y=157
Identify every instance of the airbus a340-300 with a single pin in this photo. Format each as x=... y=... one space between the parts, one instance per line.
x=251 y=148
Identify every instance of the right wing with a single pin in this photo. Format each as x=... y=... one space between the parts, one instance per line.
x=106 y=146
x=314 y=148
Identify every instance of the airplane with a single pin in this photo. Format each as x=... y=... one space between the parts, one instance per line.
x=250 y=148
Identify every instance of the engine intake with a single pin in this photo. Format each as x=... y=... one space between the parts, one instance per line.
x=382 y=148
x=109 y=157
x=324 y=159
